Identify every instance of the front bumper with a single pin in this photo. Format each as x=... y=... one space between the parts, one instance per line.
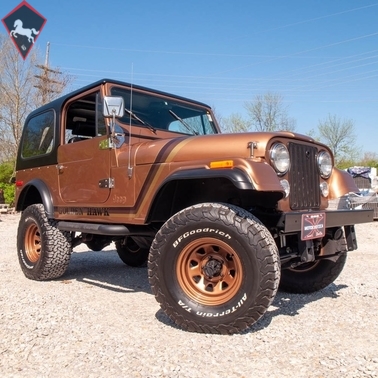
x=292 y=222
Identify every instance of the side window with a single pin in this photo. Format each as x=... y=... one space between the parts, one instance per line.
x=84 y=119
x=38 y=135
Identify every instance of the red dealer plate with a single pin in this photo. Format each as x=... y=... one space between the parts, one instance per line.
x=313 y=226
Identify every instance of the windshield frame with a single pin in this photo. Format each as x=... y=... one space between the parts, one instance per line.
x=154 y=111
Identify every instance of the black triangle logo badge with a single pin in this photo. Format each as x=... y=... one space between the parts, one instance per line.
x=24 y=24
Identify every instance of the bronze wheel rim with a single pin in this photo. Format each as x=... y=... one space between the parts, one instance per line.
x=209 y=271
x=33 y=243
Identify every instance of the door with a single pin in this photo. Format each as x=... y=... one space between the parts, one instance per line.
x=83 y=160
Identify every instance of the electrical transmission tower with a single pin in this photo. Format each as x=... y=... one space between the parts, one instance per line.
x=48 y=80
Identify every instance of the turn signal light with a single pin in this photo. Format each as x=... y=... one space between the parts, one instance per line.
x=222 y=164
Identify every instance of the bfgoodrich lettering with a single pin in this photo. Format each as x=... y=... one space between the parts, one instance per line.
x=199 y=231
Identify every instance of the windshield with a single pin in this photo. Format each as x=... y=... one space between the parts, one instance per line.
x=163 y=113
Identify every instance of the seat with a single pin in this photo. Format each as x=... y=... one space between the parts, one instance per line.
x=82 y=131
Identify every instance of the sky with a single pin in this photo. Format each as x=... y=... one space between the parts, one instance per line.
x=321 y=56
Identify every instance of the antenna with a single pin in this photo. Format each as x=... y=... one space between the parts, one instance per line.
x=130 y=168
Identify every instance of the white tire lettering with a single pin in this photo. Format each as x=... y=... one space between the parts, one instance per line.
x=200 y=231
x=216 y=314
x=24 y=261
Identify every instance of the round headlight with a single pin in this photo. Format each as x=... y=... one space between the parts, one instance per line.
x=325 y=164
x=279 y=156
x=286 y=187
x=324 y=189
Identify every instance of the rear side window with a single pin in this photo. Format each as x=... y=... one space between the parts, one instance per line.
x=38 y=135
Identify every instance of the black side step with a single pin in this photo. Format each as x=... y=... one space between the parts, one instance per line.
x=105 y=229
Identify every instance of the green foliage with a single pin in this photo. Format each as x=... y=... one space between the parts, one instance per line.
x=344 y=164
x=9 y=193
x=370 y=159
x=6 y=173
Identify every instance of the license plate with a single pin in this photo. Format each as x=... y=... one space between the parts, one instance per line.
x=313 y=226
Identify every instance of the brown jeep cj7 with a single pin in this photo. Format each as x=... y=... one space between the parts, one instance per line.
x=223 y=219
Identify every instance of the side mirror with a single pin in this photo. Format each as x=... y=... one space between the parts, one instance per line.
x=113 y=107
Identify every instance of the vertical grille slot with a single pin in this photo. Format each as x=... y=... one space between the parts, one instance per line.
x=303 y=177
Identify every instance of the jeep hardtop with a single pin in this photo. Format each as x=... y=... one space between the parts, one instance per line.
x=223 y=219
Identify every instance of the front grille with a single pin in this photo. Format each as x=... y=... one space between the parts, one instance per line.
x=303 y=177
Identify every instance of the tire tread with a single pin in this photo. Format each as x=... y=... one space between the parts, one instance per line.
x=55 y=245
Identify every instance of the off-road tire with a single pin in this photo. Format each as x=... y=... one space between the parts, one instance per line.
x=214 y=268
x=311 y=277
x=43 y=250
x=131 y=254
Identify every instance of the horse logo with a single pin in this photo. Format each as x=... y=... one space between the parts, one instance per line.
x=23 y=38
x=20 y=30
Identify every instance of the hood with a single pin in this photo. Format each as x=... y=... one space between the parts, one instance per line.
x=218 y=146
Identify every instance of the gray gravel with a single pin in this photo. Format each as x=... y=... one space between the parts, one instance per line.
x=100 y=319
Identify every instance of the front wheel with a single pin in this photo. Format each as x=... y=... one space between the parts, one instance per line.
x=214 y=268
x=43 y=250
x=313 y=276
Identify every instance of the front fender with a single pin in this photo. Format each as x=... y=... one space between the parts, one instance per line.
x=244 y=175
x=341 y=183
x=264 y=177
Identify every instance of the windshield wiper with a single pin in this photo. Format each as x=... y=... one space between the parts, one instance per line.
x=140 y=120
x=183 y=122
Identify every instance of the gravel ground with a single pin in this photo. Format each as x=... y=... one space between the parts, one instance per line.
x=100 y=319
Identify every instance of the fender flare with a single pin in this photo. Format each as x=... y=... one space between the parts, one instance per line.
x=43 y=191
x=236 y=176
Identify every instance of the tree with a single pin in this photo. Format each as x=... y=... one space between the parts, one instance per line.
x=217 y=116
x=21 y=87
x=6 y=172
x=267 y=113
x=370 y=159
x=15 y=96
x=338 y=134
x=235 y=124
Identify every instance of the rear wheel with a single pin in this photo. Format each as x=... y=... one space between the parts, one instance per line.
x=214 y=268
x=43 y=250
x=130 y=252
x=313 y=276
x=97 y=243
